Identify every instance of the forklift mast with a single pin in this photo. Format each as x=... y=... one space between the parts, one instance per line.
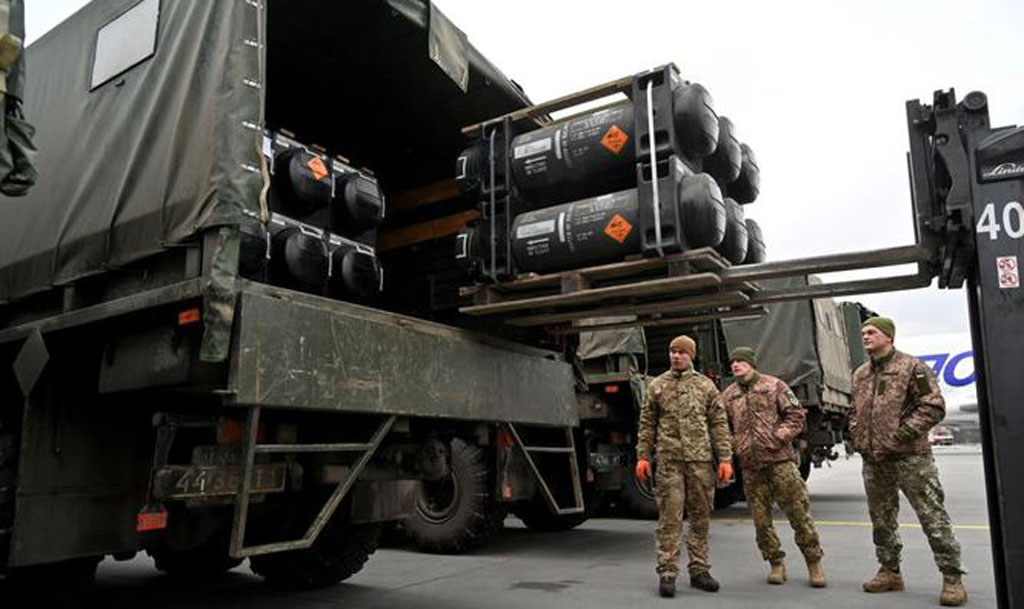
x=967 y=182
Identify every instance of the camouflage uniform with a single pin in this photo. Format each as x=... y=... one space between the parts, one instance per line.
x=891 y=392
x=766 y=417
x=685 y=411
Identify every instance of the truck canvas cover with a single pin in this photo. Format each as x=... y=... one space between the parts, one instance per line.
x=150 y=116
x=803 y=342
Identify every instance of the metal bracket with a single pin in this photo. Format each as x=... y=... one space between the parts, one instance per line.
x=30 y=361
x=570 y=452
x=237 y=547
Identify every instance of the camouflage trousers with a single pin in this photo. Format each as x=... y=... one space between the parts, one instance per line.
x=781 y=483
x=678 y=486
x=918 y=478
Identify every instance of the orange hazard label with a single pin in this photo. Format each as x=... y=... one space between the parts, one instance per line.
x=618 y=228
x=615 y=140
x=316 y=165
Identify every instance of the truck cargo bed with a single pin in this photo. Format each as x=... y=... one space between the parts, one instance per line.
x=295 y=350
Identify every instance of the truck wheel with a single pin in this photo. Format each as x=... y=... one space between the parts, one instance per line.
x=728 y=495
x=805 y=466
x=457 y=513
x=205 y=562
x=638 y=498
x=339 y=552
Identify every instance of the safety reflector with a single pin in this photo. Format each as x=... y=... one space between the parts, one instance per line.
x=189 y=316
x=152 y=517
x=504 y=438
x=230 y=432
x=611 y=388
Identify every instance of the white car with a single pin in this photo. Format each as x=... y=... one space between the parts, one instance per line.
x=941 y=435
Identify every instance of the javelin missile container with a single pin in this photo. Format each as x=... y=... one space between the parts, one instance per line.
x=583 y=191
x=603 y=229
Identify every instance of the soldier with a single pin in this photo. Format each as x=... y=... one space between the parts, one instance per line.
x=683 y=410
x=896 y=400
x=766 y=417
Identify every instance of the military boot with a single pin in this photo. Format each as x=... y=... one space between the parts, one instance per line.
x=667 y=586
x=884 y=581
x=953 y=592
x=817 y=573
x=778 y=573
x=704 y=581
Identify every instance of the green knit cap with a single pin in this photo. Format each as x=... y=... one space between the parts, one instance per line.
x=744 y=354
x=884 y=324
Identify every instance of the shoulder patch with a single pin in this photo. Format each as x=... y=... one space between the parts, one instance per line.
x=792 y=397
x=921 y=379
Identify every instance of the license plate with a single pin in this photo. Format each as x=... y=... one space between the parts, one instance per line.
x=191 y=481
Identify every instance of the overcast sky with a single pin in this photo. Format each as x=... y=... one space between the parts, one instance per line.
x=816 y=88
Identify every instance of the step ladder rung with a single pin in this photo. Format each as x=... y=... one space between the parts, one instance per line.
x=337 y=447
x=550 y=449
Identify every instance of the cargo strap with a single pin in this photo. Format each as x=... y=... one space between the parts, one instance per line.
x=529 y=452
x=654 y=167
x=237 y=548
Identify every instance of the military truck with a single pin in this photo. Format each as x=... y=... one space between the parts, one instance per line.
x=804 y=343
x=185 y=367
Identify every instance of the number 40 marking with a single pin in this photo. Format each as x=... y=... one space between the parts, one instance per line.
x=1012 y=216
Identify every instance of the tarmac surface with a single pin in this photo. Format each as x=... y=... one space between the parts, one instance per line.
x=610 y=563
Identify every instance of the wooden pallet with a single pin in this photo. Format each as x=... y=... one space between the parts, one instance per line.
x=677 y=287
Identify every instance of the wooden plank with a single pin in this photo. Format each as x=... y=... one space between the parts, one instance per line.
x=643 y=288
x=754 y=311
x=425 y=231
x=566 y=101
x=678 y=305
x=423 y=195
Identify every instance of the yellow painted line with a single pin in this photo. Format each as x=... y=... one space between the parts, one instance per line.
x=854 y=523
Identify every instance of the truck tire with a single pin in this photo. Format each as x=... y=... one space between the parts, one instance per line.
x=208 y=561
x=638 y=498
x=339 y=552
x=728 y=495
x=458 y=513
x=805 y=466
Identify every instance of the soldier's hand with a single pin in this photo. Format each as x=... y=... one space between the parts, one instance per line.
x=643 y=470
x=725 y=472
x=905 y=433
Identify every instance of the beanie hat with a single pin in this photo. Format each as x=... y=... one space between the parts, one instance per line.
x=743 y=354
x=685 y=344
x=884 y=324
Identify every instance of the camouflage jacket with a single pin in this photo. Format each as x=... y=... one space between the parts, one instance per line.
x=683 y=410
x=896 y=390
x=765 y=417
